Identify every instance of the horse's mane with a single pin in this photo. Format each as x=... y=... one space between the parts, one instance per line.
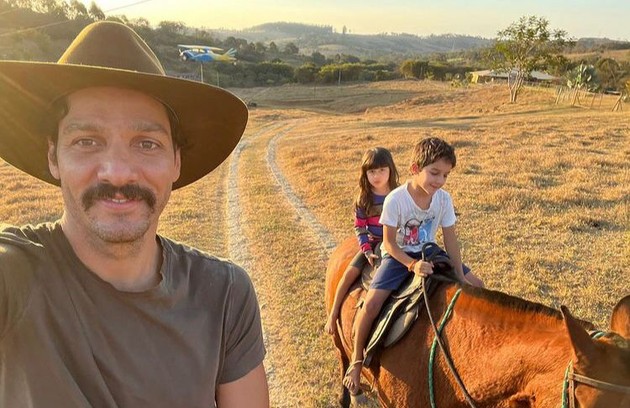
x=485 y=300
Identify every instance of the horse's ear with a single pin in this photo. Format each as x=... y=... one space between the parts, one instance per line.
x=522 y=400
x=620 y=319
x=581 y=343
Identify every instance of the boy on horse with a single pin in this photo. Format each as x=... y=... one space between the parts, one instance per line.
x=411 y=216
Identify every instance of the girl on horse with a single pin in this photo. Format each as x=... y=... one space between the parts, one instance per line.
x=411 y=216
x=378 y=177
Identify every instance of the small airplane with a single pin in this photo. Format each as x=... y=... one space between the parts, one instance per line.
x=202 y=53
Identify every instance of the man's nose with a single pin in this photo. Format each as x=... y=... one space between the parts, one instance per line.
x=117 y=167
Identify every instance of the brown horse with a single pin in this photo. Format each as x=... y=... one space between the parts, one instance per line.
x=509 y=352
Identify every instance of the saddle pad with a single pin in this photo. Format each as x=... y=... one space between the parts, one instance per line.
x=396 y=317
x=402 y=308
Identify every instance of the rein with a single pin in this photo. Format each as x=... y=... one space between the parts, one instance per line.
x=446 y=316
x=438 y=339
x=570 y=378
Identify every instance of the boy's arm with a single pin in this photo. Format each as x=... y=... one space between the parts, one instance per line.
x=392 y=248
x=452 y=248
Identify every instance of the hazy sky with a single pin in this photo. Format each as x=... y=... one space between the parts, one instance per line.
x=580 y=18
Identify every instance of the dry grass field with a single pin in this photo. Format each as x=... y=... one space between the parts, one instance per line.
x=619 y=55
x=542 y=193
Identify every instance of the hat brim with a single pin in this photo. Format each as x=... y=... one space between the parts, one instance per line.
x=212 y=120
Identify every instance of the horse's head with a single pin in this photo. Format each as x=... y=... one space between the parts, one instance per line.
x=601 y=368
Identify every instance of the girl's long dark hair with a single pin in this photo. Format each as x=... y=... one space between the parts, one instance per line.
x=374 y=158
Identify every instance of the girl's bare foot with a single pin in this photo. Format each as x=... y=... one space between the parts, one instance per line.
x=352 y=379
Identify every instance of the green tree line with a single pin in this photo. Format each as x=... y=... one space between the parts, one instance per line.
x=42 y=29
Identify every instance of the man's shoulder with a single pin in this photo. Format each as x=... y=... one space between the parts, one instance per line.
x=22 y=254
x=203 y=264
x=27 y=240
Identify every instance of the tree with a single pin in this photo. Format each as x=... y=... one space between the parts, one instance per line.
x=318 y=58
x=307 y=73
x=609 y=72
x=291 y=49
x=95 y=12
x=57 y=8
x=351 y=59
x=414 y=69
x=260 y=47
x=171 y=28
x=524 y=46
x=78 y=10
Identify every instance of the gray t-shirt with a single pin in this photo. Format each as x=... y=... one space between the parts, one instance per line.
x=70 y=339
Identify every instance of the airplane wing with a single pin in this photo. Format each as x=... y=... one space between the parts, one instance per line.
x=199 y=47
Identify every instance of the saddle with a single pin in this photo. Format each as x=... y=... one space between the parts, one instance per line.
x=404 y=305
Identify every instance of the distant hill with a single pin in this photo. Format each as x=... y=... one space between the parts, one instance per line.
x=324 y=39
x=588 y=44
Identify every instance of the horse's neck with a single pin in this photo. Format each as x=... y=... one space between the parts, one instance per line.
x=524 y=350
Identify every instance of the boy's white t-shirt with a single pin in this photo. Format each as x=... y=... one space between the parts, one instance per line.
x=415 y=226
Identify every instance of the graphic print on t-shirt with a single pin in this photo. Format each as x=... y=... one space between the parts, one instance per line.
x=416 y=232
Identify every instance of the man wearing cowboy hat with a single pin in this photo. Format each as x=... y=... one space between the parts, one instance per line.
x=96 y=309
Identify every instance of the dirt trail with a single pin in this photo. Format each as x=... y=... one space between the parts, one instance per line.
x=237 y=251
x=319 y=234
x=239 y=248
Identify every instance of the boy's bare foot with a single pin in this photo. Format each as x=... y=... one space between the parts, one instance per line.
x=352 y=379
x=331 y=324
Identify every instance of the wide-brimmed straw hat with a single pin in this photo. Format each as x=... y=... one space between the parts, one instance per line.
x=106 y=53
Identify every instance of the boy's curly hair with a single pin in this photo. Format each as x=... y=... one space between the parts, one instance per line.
x=432 y=149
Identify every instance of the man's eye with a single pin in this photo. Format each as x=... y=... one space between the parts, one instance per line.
x=86 y=142
x=148 y=145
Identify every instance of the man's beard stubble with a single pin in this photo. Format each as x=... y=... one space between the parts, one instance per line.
x=110 y=232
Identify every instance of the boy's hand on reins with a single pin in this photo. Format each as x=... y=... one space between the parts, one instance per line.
x=423 y=268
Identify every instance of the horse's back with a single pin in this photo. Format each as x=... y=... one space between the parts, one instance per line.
x=337 y=264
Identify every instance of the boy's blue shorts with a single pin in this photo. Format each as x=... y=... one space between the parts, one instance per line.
x=391 y=273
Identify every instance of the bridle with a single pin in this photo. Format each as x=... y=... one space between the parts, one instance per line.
x=570 y=377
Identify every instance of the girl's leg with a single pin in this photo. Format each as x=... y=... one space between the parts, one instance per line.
x=349 y=276
x=373 y=302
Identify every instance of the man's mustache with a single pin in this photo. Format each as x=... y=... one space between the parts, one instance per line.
x=106 y=191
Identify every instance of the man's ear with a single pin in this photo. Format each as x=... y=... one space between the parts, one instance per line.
x=414 y=168
x=178 y=164
x=52 y=159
